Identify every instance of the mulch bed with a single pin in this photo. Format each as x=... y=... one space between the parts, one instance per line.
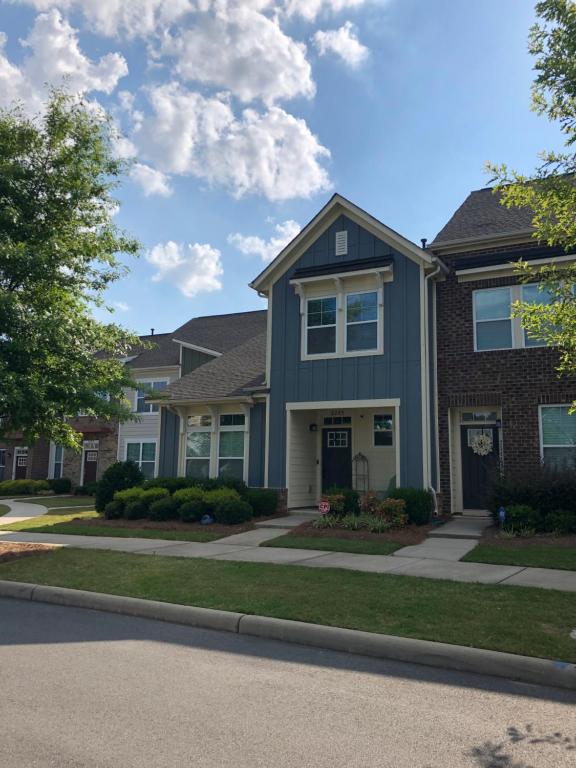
x=168 y=525
x=411 y=534
x=14 y=551
x=492 y=536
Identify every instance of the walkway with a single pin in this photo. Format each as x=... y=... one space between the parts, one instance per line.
x=422 y=567
x=450 y=541
x=21 y=511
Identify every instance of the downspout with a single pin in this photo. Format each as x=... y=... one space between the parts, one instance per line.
x=440 y=267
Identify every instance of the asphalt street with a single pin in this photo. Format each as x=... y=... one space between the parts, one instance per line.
x=82 y=689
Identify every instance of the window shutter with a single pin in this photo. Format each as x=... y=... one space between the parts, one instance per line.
x=342 y=243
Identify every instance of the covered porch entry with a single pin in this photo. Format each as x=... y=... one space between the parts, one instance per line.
x=348 y=444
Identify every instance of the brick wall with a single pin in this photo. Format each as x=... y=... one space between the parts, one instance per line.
x=517 y=380
x=107 y=449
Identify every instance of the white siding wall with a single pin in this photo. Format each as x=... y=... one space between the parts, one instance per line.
x=302 y=480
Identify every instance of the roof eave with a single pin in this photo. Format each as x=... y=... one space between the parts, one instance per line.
x=479 y=243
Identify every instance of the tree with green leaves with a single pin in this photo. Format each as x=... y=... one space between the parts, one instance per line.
x=550 y=192
x=59 y=250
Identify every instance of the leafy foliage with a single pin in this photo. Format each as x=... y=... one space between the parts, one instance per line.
x=419 y=503
x=59 y=250
x=21 y=487
x=117 y=477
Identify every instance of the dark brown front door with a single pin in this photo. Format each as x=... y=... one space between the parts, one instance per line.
x=336 y=458
x=90 y=466
x=480 y=456
x=21 y=463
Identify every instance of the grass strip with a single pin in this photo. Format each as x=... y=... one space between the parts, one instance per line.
x=334 y=544
x=60 y=502
x=520 y=620
x=560 y=558
x=4 y=508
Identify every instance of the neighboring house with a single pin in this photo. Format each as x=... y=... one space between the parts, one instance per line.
x=337 y=387
x=493 y=380
x=18 y=461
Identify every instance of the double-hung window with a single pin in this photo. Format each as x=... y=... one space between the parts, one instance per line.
x=361 y=321
x=531 y=294
x=493 y=321
x=558 y=436
x=231 y=445
x=321 y=326
x=198 y=447
x=58 y=462
x=143 y=454
x=141 y=405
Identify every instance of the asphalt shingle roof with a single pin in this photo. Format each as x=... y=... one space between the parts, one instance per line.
x=221 y=333
x=482 y=215
x=229 y=375
x=164 y=352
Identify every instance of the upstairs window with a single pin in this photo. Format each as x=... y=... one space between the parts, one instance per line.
x=141 y=405
x=492 y=309
x=531 y=294
x=362 y=321
x=321 y=326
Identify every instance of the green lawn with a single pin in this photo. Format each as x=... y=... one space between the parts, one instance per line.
x=3 y=509
x=561 y=558
x=64 y=523
x=334 y=544
x=60 y=502
x=520 y=620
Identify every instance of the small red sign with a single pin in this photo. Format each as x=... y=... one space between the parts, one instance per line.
x=324 y=507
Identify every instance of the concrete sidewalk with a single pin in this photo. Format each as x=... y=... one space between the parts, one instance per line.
x=422 y=567
x=21 y=511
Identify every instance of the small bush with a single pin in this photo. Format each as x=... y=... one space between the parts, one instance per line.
x=60 y=485
x=128 y=495
x=521 y=517
x=23 y=487
x=232 y=511
x=117 y=477
x=561 y=522
x=337 y=502
x=163 y=509
x=151 y=495
x=541 y=488
x=81 y=490
x=135 y=510
x=171 y=484
x=419 y=504
x=351 y=499
x=327 y=521
x=192 y=511
x=113 y=510
x=184 y=495
x=213 y=498
x=264 y=501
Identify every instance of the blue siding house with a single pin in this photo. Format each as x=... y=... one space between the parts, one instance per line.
x=333 y=385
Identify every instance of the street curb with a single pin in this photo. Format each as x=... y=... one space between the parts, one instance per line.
x=524 y=669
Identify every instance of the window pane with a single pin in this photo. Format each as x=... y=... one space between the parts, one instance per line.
x=321 y=312
x=198 y=444
x=158 y=385
x=383 y=430
x=362 y=336
x=147 y=468
x=232 y=444
x=198 y=469
x=492 y=304
x=233 y=468
x=531 y=295
x=200 y=420
x=321 y=340
x=58 y=451
x=232 y=420
x=57 y=470
x=148 y=451
x=494 y=335
x=133 y=452
x=361 y=306
x=558 y=426
x=141 y=406
x=560 y=458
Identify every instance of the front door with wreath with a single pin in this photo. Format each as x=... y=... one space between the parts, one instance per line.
x=480 y=458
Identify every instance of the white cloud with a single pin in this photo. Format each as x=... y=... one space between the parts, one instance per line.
x=132 y=18
x=192 y=268
x=122 y=306
x=55 y=58
x=344 y=43
x=152 y=181
x=246 y=53
x=272 y=153
x=310 y=9
x=266 y=249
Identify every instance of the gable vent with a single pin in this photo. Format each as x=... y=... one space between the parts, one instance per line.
x=342 y=243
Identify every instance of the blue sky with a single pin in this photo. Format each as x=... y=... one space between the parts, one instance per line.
x=243 y=116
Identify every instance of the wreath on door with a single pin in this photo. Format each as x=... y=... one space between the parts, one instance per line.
x=482 y=445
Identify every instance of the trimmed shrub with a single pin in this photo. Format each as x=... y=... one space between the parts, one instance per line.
x=264 y=501
x=171 y=484
x=151 y=495
x=337 y=503
x=128 y=495
x=163 y=509
x=220 y=483
x=351 y=499
x=192 y=511
x=232 y=511
x=23 y=487
x=213 y=498
x=135 y=510
x=419 y=503
x=60 y=485
x=118 y=476
x=113 y=510
x=184 y=495
x=561 y=522
x=522 y=517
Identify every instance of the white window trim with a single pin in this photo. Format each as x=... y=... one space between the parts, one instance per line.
x=215 y=430
x=139 y=441
x=18 y=451
x=234 y=428
x=392 y=444
x=541 y=429
x=146 y=382
x=518 y=337
x=340 y=291
x=52 y=460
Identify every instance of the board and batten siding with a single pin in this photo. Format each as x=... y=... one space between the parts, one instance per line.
x=192 y=359
x=257 y=445
x=394 y=374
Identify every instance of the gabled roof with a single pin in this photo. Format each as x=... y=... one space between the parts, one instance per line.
x=220 y=333
x=232 y=375
x=163 y=353
x=482 y=217
x=336 y=206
